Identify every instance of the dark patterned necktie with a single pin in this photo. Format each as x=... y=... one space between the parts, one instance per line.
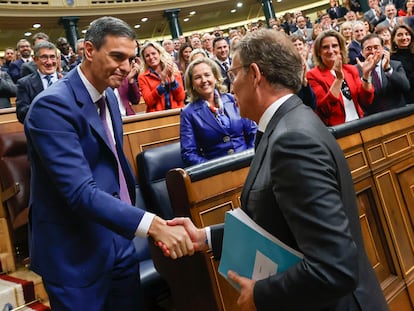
x=257 y=139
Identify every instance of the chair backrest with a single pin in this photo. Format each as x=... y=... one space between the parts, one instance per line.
x=15 y=189
x=15 y=168
x=153 y=165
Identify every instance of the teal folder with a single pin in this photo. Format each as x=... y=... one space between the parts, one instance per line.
x=251 y=251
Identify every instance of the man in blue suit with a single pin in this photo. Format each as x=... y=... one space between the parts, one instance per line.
x=81 y=213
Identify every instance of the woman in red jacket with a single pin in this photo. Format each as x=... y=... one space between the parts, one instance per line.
x=160 y=82
x=338 y=88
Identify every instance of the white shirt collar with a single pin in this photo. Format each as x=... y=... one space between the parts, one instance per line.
x=270 y=111
x=93 y=92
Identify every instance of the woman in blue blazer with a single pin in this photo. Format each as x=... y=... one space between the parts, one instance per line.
x=211 y=125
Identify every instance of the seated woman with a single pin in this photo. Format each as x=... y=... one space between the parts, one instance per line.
x=338 y=88
x=160 y=81
x=211 y=125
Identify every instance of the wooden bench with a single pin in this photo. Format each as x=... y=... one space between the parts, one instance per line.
x=380 y=154
x=141 y=131
x=8 y=121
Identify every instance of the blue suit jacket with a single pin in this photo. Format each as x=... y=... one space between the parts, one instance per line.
x=14 y=69
x=203 y=138
x=27 y=89
x=75 y=214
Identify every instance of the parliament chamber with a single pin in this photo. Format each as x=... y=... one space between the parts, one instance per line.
x=380 y=153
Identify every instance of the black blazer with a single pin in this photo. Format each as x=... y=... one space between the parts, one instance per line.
x=299 y=189
x=27 y=89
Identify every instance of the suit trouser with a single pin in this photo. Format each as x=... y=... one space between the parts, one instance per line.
x=118 y=289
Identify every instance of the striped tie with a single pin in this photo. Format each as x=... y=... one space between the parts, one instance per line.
x=49 y=80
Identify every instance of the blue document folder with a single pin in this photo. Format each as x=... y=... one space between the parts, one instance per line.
x=251 y=251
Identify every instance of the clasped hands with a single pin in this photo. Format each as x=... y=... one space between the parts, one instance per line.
x=195 y=239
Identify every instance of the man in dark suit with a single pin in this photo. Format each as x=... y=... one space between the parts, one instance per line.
x=299 y=189
x=82 y=216
x=389 y=79
x=221 y=52
x=31 y=67
x=45 y=60
x=24 y=50
x=375 y=14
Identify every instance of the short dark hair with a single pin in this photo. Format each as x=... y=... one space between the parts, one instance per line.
x=371 y=36
x=217 y=39
x=107 y=26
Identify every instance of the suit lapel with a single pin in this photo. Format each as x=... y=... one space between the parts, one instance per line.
x=260 y=153
x=86 y=104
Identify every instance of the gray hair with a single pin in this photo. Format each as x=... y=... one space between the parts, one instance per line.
x=44 y=45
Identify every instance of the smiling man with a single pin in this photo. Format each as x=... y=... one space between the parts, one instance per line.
x=45 y=58
x=82 y=216
x=298 y=188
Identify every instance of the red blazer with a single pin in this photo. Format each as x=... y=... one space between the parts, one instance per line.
x=153 y=92
x=330 y=108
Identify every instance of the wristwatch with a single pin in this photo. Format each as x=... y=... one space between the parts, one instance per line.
x=369 y=80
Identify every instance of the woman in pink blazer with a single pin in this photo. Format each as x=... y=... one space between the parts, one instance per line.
x=339 y=90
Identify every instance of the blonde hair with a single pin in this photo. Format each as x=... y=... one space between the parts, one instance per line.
x=164 y=56
x=189 y=77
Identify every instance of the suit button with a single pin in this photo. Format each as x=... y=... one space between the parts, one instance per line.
x=226 y=139
x=230 y=151
x=115 y=195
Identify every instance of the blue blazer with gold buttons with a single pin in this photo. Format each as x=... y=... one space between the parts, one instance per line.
x=203 y=137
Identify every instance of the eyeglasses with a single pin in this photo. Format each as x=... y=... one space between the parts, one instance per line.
x=372 y=48
x=232 y=75
x=45 y=58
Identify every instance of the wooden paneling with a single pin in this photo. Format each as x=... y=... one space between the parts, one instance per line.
x=148 y=130
x=8 y=121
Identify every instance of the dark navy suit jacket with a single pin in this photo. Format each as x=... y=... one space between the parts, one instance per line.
x=300 y=190
x=203 y=138
x=75 y=212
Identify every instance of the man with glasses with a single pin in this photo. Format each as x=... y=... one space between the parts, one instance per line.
x=45 y=58
x=388 y=78
x=299 y=188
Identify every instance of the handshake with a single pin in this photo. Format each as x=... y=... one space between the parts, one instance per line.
x=177 y=237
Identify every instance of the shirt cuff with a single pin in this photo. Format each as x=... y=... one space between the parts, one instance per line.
x=144 y=225
x=208 y=238
x=174 y=85
x=161 y=89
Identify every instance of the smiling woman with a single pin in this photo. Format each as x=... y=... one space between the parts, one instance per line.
x=160 y=82
x=211 y=125
x=339 y=90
